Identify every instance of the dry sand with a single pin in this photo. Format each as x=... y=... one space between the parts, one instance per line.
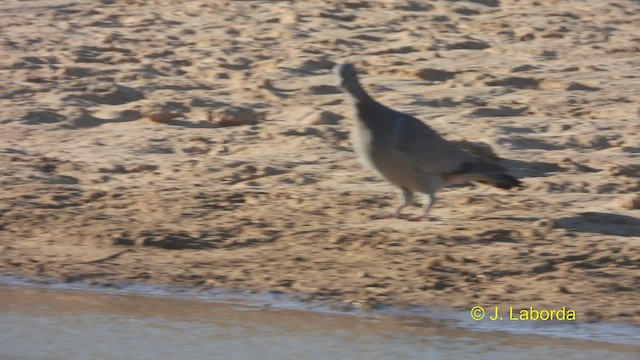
x=283 y=205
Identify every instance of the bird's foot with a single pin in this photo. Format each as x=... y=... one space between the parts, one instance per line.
x=391 y=215
x=423 y=218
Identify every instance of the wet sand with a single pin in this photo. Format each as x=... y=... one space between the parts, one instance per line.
x=117 y=135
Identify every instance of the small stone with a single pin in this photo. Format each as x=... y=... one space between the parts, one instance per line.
x=236 y=116
x=161 y=117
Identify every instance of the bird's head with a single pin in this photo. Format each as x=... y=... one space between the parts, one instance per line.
x=346 y=76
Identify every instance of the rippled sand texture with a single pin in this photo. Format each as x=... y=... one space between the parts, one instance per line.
x=117 y=134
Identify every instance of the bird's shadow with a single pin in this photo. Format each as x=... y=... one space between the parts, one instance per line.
x=530 y=168
x=602 y=223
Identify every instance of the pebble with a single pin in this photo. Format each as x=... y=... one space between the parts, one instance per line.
x=235 y=116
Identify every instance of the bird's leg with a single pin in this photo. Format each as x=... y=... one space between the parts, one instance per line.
x=426 y=208
x=407 y=199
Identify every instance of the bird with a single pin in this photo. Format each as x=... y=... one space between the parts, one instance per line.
x=409 y=154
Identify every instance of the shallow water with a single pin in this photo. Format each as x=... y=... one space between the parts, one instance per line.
x=45 y=323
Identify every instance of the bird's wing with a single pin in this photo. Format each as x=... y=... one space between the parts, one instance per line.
x=428 y=152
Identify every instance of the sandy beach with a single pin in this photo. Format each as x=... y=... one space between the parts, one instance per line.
x=204 y=144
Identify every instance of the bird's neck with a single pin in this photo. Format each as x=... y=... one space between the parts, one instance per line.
x=369 y=110
x=358 y=94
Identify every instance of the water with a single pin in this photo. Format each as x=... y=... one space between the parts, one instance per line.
x=45 y=323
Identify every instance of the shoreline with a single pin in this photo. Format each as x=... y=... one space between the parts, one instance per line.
x=606 y=333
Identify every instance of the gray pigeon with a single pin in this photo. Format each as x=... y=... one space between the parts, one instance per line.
x=408 y=153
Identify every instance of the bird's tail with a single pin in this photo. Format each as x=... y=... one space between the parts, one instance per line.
x=499 y=180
